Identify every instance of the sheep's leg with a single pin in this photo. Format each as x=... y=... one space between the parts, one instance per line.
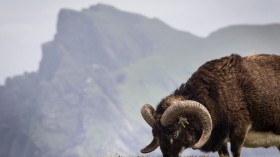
x=237 y=138
x=236 y=147
x=278 y=148
x=223 y=151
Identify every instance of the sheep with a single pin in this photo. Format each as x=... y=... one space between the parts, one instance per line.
x=232 y=99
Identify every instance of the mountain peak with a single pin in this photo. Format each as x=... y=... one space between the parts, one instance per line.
x=101 y=6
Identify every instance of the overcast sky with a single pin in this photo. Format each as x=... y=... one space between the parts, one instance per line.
x=26 y=24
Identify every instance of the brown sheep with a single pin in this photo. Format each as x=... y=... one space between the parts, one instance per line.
x=233 y=99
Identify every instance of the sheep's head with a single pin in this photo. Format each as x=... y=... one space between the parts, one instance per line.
x=173 y=132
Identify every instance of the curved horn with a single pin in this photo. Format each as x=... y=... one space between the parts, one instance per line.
x=147 y=112
x=181 y=108
x=151 y=147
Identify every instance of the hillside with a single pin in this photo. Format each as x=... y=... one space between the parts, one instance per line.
x=101 y=67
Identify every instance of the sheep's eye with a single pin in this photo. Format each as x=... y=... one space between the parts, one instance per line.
x=175 y=134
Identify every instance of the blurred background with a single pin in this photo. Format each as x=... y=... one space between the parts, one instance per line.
x=74 y=74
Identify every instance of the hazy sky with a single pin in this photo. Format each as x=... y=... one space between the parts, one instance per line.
x=26 y=24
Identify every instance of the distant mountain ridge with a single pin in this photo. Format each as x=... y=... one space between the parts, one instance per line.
x=102 y=65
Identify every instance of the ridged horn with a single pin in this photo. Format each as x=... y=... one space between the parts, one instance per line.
x=188 y=107
x=147 y=112
x=151 y=147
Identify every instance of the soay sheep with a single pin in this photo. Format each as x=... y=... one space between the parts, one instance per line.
x=233 y=99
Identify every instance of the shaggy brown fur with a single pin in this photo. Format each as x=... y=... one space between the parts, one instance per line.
x=239 y=92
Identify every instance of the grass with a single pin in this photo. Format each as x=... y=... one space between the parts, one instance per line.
x=119 y=155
